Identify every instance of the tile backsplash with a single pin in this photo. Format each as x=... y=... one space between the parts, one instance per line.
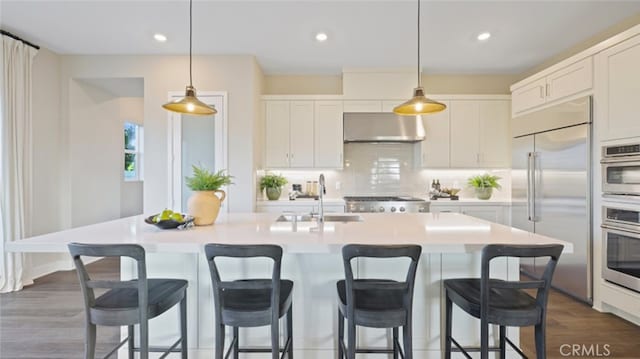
x=390 y=169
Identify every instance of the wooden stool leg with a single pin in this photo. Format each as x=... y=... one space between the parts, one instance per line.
x=290 y=330
x=395 y=343
x=503 y=342
x=236 y=343
x=351 y=332
x=340 y=335
x=219 y=341
x=90 y=341
x=407 y=338
x=132 y=341
x=447 y=325
x=144 y=340
x=541 y=347
x=184 y=348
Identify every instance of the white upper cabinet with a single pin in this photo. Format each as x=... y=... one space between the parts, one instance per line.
x=567 y=81
x=480 y=135
x=289 y=134
x=328 y=134
x=495 y=134
x=301 y=134
x=277 y=134
x=618 y=79
x=465 y=129
x=435 y=147
x=362 y=106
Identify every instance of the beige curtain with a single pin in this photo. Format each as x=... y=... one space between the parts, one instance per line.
x=15 y=157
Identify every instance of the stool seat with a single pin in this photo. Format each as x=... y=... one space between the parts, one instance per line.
x=377 y=308
x=248 y=307
x=120 y=306
x=507 y=306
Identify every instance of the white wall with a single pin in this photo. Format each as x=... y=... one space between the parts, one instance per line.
x=235 y=74
x=95 y=148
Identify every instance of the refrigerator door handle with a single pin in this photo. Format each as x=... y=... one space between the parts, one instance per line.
x=529 y=186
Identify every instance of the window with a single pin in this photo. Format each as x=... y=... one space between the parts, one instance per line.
x=133 y=134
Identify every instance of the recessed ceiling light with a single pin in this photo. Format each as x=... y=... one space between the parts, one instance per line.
x=484 y=36
x=160 y=38
x=321 y=37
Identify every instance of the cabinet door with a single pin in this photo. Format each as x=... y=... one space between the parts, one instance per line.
x=435 y=147
x=529 y=96
x=495 y=134
x=362 y=106
x=618 y=76
x=570 y=80
x=301 y=130
x=464 y=134
x=328 y=134
x=488 y=213
x=277 y=134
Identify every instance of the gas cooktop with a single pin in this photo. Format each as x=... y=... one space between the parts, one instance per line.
x=400 y=204
x=382 y=199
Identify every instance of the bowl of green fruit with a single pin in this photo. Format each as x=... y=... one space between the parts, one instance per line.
x=169 y=219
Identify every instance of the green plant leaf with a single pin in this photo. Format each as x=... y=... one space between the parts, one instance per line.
x=205 y=180
x=484 y=181
x=272 y=181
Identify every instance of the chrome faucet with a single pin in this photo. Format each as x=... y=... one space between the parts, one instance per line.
x=322 y=191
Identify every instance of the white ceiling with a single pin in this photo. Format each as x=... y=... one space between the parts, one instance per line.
x=361 y=33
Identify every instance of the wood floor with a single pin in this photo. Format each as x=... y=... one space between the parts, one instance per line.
x=46 y=320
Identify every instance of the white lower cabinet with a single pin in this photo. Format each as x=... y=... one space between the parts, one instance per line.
x=489 y=212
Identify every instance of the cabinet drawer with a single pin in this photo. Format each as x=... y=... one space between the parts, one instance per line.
x=570 y=80
x=529 y=96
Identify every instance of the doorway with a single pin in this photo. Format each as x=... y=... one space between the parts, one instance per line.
x=196 y=140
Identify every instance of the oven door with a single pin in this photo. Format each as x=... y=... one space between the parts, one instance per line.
x=621 y=175
x=621 y=257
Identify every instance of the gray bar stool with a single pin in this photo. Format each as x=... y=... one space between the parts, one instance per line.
x=251 y=302
x=500 y=302
x=121 y=304
x=376 y=303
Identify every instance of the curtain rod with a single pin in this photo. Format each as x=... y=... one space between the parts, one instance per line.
x=7 y=33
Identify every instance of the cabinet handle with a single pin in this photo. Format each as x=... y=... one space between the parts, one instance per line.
x=548 y=90
x=542 y=91
x=477 y=158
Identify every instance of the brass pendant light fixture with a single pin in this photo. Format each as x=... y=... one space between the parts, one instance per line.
x=419 y=104
x=190 y=104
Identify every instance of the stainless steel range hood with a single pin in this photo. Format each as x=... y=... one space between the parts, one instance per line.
x=382 y=127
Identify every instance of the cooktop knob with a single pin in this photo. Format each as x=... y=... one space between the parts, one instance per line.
x=381 y=209
x=401 y=209
x=393 y=209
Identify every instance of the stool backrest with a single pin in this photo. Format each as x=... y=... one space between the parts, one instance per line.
x=87 y=285
x=352 y=251
x=542 y=284
x=273 y=252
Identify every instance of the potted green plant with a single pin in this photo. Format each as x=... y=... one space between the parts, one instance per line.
x=484 y=185
x=272 y=185
x=204 y=203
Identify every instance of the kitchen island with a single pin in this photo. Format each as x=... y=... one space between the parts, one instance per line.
x=451 y=245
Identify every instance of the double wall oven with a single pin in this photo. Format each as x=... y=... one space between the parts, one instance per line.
x=621 y=215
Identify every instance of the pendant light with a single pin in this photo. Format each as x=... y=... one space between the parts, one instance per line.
x=419 y=104
x=190 y=104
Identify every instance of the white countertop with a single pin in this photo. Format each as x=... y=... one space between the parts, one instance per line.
x=436 y=233
x=340 y=201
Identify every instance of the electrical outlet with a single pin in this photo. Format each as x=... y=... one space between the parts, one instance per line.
x=338 y=185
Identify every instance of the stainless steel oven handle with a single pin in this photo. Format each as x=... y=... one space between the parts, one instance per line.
x=630 y=159
x=619 y=230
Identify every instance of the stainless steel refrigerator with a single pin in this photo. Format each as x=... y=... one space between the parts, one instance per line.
x=551 y=188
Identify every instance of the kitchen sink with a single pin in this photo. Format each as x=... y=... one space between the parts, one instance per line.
x=343 y=218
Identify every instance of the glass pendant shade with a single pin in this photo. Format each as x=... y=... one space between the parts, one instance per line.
x=419 y=105
x=190 y=104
